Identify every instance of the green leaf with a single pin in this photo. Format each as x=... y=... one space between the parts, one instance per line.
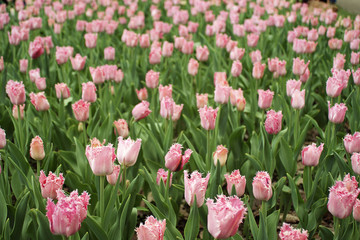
x=287 y=157
x=21 y=210
x=192 y=225
x=271 y=223
x=199 y=162
x=94 y=227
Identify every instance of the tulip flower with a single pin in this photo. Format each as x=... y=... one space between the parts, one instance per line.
x=195 y=185
x=66 y=216
x=174 y=160
x=121 y=128
x=162 y=174
x=337 y=112
x=208 y=117
x=100 y=157
x=2 y=138
x=273 y=122
x=225 y=216
x=50 y=184
x=298 y=99
x=193 y=66
x=152 y=79
x=15 y=111
x=202 y=53
x=112 y=178
x=78 y=63
x=62 y=91
x=262 y=186
x=222 y=93
x=287 y=232
x=237 y=99
x=352 y=142
x=39 y=101
x=220 y=155
x=258 y=70
x=235 y=179
x=37 y=149
x=23 y=63
x=81 y=110
x=141 y=110
x=109 y=53
x=34 y=74
x=236 y=68
x=128 y=151
x=265 y=98
x=16 y=92
x=142 y=94
x=152 y=229
x=88 y=92
x=165 y=91
x=311 y=154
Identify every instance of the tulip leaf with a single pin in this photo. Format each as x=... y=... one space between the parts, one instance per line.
x=325 y=233
x=43 y=230
x=94 y=227
x=256 y=162
x=253 y=226
x=344 y=168
x=199 y=162
x=287 y=157
x=20 y=213
x=193 y=222
x=271 y=223
x=86 y=236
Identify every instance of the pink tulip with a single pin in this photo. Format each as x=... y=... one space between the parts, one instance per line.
x=355 y=162
x=222 y=40
x=144 y=41
x=98 y=75
x=174 y=160
x=193 y=67
x=37 y=149
x=128 y=151
x=152 y=79
x=334 y=86
x=78 y=63
x=39 y=101
x=50 y=184
x=356 y=210
x=62 y=91
x=36 y=48
x=237 y=53
x=141 y=110
x=142 y=94
x=356 y=76
x=258 y=70
x=66 y=216
x=354 y=44
x=163 y=175
x=177 y=109
x=167 y=49
x=298 y=99
x=220 y=79
x=262 y=186
x=312 y=35
x=273 y=122
x=188 y=47
x=330 y=32
x=311 y=154
x=195 y=185
x=352 y=142
x=152 y=229
x=90 y=40
x=81 y=110
x=113 y=177
x=337 y=112
x=63 y=54
x=15 y=111
x=355 y=58
x=225 y=216
x=221 y=94
x=119 y=76
x=231 y=45
x=287 y=232
x=342 y=197
x=299 y=66
x=208 y=117
x=121 y=128
x=255 y=56
x=109 y=53
x=321 y=30
x=272 y=64
x=235 y=179
x=252 y=39
x=339 y=61
x=201 y=100
x=166 y=107
x=335 y=43
x=265 y=98
x=237 y=99
x=220 y=155
x=280 y=68
x=165 y=91
x=40 y=83
x=88 y=92
x=202 y=53
x=100 y=157
x=16 y=92
x=23 y=63
x=1 y=64
x=236 y=68
x=155 y=56
x=291 y=86
x=2 y=138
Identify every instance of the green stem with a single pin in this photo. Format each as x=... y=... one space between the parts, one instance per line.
x=22 y=144
x=61 y=113
x=38 y=168
x=208 y=159
x=102 y=179
x=307 y=178
x=296 y=126
x=336 y=228
x=124 y=177
x=168 y=184
x=85 y=134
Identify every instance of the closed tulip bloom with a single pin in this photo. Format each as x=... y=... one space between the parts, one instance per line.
x=88 y=92
x=355 y=58
x=90 y=40
x=225 y=216
x=255 y=56
x=222 y=94
x=235 y=179
x=252 y=39
x=265 y=98
x=335 y=43
x=195 y=185
x=141 y=110
x=342 y=197
x=188 y=47
x=63 y=54
x=142 y=94
x=305 y=76
x=144 y=41
x=165 y=91
x=220 y=79
x=208 y=117
x=287 y=232
x=299 y=66
x=356 y=210
x=352 y=142
x=81 y=110
x=119 y=76
x=98 y=75
x=40 y=83
x=34 y=74
x=237 y=99
x=16 y=92
x=273 y=122
x=177 y=109
x=339 y=61
x=237 y=53
x=36 y=48
x=356 y=76
x=1 y=63
x=15 y=111
x=220 y=155
x=100 y=157
x=151 y=230
x=113 y=177
x=167 y=49
x=262 y=186
x=152 y=79
x=236 y=68
x=202 y=53
x=193 y=67
x=272 y=63
x=280 y=68
x=2 y=138
x=166 y=107
x=37 y=149
x=128 y=151
x=155 y=55
x=39 y=101
x=109 y=53
x=201 y=100
x=62 y=91
x=258 y=70
x=354 y=44
x=23 y=63
x=330 y=33
x=337 y=112
x=162 y=174
x=298 y=99
x=174 y=160
x=78 y=63
x=50 y=184
x=121 y=128
x=355 y=162
x=66 y=216
x=310 y=154
x=291 y=86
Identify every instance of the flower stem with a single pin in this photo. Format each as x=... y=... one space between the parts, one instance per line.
x=336 y=228
x=38 y=168
x=102 y=179
x=208 y=159
x=168 y=184
x=296 y=126
x=124 y=177
x=307 y=179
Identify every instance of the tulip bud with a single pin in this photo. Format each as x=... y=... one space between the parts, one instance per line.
x=2 y=138
x=128 y=151
x=221 y=155
x=162 y=174
x=311 y=154
x=195 y=185
x=235 y=179
x=262 y=186
x=112 y=178
x=37 y=149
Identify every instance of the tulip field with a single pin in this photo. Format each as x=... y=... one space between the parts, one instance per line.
x=172 y=119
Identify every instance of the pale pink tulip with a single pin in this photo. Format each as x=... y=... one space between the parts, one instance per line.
x=128 y=151
x=195 y=186
x=262 y=186
x=310 y=154
x=50 y=184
